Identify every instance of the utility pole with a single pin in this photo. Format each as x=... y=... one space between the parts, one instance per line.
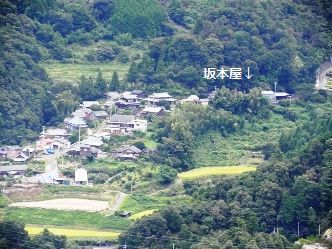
x=298 y=229
x=79 y=133
x=43 y=133
x=275 y=87
x=173 y=246
x=131 y=187
x=319 y=230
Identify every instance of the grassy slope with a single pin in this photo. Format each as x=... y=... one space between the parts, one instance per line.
x=215 y=150
x=142 y=214
x=60 y=72
x=71 y=72
x=140 y=203
x=75 y=219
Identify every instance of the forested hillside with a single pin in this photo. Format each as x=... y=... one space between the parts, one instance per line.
x=293 y=187
x=280 y=41
x=54 y=54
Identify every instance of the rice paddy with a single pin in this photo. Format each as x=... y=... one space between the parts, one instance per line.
x=215 y=171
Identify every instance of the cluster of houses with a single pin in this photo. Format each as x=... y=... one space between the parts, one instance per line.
x=113 y=113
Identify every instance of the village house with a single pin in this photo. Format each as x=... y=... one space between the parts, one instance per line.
x=128 y=101
x=84 y=113
x=127 y=153
x=55 y=133
x=160 y=98
x=127 y=123
x=74 y=151
x=75 y=123
x=13 y=151
x=43 y=144
x=14 y=170
x=129 y=98
x=204 y=102
x=21 y=158
x=3 y=153
x=138 y=93
x=274 y=97
x=88 y=151
x=134 y=106
x=115 y=130
x=191 y=99
x=100 y=115
x=93 y=141
x=29 y=151
x=152 y=110
x=113 y=96
x=60 y=143
x=88 y=104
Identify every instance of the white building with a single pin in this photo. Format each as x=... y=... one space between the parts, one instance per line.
x=75 y=123
x=81 y=176
x=127 y=123
x=156 y=98
x=273 y=97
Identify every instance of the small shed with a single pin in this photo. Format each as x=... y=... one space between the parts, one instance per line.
x=125 y=214
x=81 y=176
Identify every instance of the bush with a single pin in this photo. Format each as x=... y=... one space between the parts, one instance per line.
x=140 y=145
x=124 y=39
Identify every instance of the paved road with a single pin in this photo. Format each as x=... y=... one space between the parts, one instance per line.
x=101 y=127
x=321 y=80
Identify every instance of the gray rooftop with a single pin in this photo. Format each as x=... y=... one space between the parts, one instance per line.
x=122 y=118
x=13 y=168
x=132 y=148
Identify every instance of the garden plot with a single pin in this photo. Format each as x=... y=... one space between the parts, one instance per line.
x=66 y=204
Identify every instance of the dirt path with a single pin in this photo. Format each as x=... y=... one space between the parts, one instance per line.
x=118 y=201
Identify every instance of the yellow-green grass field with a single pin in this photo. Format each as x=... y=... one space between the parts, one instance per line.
x=215 y=171
x=329 y=84
x=74 y=233
x=63 y=72
x=142 y=214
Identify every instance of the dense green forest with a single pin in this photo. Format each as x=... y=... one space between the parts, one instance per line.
x=283 y=41
x=293 y=187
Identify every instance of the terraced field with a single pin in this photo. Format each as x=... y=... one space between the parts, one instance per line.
x=215 y=171
x=142 y=214
x=71 y=73
x=74 y=233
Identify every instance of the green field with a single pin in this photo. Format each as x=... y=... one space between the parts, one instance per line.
x=142 y=214
x=140 y=203
x=74 y=233
x=215 y=171
x=77 y=219
x=61 y=72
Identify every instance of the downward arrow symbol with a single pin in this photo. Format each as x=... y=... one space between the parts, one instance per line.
x=248 y=75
